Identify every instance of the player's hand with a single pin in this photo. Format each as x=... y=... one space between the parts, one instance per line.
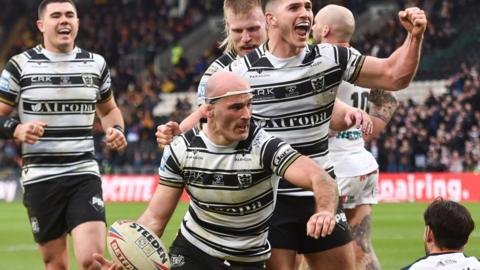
x=115 y=139
x=321 y=224
x=165 y=133
x=413 y=20
x=29 y=132
x=106 y=265
x=361 y=120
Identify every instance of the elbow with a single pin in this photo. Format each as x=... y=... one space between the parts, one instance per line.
x=398 y=83
x=403 y=83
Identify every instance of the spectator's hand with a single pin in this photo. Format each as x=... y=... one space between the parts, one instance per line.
x=360 y=119
x=413 y=20
x=106 y=265
x=115 y=139
x=29 y=132
x=321 y=224
x=165 y=133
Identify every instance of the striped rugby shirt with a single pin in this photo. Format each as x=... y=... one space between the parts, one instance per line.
x=347 y=149
x=61 y=90
x=294 y=97
x=231 y=188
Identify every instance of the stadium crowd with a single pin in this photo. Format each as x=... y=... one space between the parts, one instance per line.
x=440 y=134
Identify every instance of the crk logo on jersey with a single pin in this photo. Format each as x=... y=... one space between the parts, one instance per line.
x=41 y=79
x=264 y=92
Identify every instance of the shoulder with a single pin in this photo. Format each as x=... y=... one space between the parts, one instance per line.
x=22 y=58
x=99 y=59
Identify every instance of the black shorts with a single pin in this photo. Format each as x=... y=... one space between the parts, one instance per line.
x=288 y=226
x=57 y=206
x=185 y=256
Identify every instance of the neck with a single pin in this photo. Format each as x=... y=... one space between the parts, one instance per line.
x=345 y=44
x=54 y=49
x=281 y=49
x=213 y=133
x=437 y=250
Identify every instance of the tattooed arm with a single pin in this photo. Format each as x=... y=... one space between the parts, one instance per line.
x=382 y=106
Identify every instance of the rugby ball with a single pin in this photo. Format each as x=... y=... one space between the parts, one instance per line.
x=135 y=247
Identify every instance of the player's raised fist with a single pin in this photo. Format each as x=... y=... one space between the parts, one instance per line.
x=413 y=20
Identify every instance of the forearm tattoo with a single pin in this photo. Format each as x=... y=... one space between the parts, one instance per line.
x=382 y=104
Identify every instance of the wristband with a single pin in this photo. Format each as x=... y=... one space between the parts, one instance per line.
x=119 y=128
x=7 y=127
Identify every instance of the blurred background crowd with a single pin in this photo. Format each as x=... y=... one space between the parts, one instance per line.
x=155 y=75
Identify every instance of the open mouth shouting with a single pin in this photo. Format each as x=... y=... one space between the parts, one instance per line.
x=64 y=31
x=302 y=29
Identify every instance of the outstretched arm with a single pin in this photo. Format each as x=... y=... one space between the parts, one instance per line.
x=160 y=209
x=397 y=71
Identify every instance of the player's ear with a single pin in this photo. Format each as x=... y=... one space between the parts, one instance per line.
x=325 y=31
x=270 y=19
x=210 y=110
x=40 y=26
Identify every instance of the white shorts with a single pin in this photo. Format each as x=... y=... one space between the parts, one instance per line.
x=358 y=190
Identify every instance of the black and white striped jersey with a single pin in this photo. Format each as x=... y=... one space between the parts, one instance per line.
x=61 y=90
x=231 y=188
x=294 y=97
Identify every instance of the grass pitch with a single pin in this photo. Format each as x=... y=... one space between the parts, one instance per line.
x=397 y=233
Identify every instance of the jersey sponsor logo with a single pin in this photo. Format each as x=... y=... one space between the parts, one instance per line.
x=278 y=159
x=193 y=156
x=294 y=121
x=41 y=79
x=5 y=81
x=58 y=107
x=177 y=260
x=264 y=92
x=242 y=210
x=35 y=225
x=259 y=74
x=193 y=177
x=244 y=179
x=340 y=217
x=291 y=91
x=163 y=163
x=259 y=139
x=87 y=80
x=318 y=83
x=218 y=180
x=97 y=203
x=201 y=90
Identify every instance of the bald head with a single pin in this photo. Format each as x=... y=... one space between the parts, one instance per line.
x=224 y=81
x=333 y=24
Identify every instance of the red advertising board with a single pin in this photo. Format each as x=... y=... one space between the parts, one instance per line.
x=130 y=188
x=397 y=187
x=424 y=187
